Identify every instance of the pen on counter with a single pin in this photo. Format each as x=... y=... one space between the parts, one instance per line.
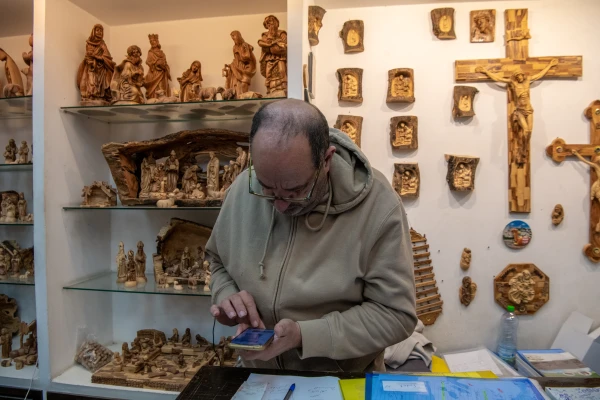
x=288 y=396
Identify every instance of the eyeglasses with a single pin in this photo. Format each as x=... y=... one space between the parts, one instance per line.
x=287 y=199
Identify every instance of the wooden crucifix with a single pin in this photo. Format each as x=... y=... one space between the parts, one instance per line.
x=559 y=150
x=518 y=70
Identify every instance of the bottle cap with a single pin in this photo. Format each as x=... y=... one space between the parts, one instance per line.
x=510 y=308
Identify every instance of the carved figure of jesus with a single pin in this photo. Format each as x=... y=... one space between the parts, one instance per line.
x=595 y=189
x=522 y=118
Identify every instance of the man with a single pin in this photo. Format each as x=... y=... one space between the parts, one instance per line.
x=312 y=242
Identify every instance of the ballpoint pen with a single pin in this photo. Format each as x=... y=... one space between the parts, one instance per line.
x=288 y=396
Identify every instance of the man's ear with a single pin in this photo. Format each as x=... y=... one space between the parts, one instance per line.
x=329 y=156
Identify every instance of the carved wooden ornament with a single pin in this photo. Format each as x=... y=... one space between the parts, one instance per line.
x=401 y=86
x=517 y=65
x=407 y=179
x=558 y=214
x=559 y=150
x=483 y=26
x=352 y=35
x=8 y=309
x=465 y=259
x=467 y=290
x=461 y=172
x=464 y=97
x=523 y=286
x=404 y=132
x=443 y=23
x=315 y=22
x=350 y=84
x=429 y=302
x=351 y=125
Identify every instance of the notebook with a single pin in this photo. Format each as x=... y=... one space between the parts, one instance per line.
x=556 y=363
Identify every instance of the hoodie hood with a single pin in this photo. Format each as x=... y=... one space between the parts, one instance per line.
x=351 y=175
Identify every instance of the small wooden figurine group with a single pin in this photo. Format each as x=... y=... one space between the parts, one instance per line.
x=14 y=259
x=131 y=268
x=99 y=194
x=152 y=361
x=26 y=354
x=15 y=87
x=14 y=155
x=101 y=81
x=14 y=208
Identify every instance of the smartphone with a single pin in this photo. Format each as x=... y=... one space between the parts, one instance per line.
x=253 y=339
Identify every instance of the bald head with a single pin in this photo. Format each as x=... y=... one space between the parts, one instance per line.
x=289 y=118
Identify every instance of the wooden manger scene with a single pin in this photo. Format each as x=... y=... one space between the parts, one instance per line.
x=185 y=169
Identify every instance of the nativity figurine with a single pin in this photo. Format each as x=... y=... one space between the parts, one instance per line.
x=189 y=180
x=467 y=291
x=23 y=153
x=558 y=214
x=140 y=264
x=350 y=84
x=465 y=259
x=28 y=72
x=128 y=79
x=315 y=23
x=443 y=23
x=190 y=83
x=14 y=86
x=22 y=208
x=483 y=26
x=99 y=194
x=207 y=276
x=461 y=172
x=131 y=270
x=159 y=73
x=401 y=86
x=238 y=75
x=121 y=265
x=273 y=58
x=9 y=209
x=352 y=35
x=212 y=175
x=351 y=125
x=95 y=72
x=10 y=152
x=407 y=180
x=148 y=169
x=172 y=170
x=161 y=97
x=404 y=132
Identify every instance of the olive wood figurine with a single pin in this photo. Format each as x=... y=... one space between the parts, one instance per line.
x=351 y=125
x=404 y=132
x=315 y=22
x=14 y=86
x=467 y=291
x=401 y=86
x=407 y=179
x=350 y=84
x=461 y=172
x=465 y=259
x=273 y=58
x=558 y=214
x=352 y=35
x=28 y=72
x=483 y=26
x=96 y=70
x=443 y=23
x=128 y=79
x=464 y=97
x=140 y=264
x=159 y=72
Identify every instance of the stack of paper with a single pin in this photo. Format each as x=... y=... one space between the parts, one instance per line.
x=480 y=359
x=554 y=363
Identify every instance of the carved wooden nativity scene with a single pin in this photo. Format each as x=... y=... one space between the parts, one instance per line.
x=401 y=86
x=350 y=84
x=404 y=132
x=10 y=325
x=461 y=172
x=407 y=179
x=351 y=125
x=186 y=169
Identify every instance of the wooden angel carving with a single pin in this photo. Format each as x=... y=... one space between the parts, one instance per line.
x=352 y=35
x=443 y=23
x=350 y=84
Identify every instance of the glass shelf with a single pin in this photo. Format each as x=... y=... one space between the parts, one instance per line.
x=107 y=282
x=146 y=208
x=30 y=281
x=16 y=167
x=16 y=223
x=15 y=107
x=219 y=110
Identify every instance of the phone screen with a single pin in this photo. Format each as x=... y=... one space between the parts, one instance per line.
x=253 y=339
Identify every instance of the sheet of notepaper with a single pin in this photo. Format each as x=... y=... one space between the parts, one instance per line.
x=477 y=360
x=251 y=391
x=318 y=388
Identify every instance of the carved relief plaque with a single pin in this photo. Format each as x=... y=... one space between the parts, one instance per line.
x=352 y=35
x=404 y=132
x=315 y=22
x=401 y=86
x=443 y=23
x=464 y=97
x=461 y=172
x=523 y=286
x=483 y=26
x=407 y=179
x=350 y=84
x=351 y=125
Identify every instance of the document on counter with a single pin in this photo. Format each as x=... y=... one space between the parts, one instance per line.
x=317 y=388
x=477 y=360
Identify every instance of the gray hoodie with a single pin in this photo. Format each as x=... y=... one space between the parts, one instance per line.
x=349 y=284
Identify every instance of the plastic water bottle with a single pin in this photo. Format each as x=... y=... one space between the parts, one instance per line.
x=507 y=342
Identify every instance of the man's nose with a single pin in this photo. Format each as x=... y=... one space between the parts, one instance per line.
x=281 y=205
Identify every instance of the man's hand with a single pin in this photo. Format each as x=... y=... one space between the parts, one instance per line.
x=239 y=308
x=287 y=337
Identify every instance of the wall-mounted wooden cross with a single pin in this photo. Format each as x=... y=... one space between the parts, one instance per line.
x=518 y=70
x=559 y=150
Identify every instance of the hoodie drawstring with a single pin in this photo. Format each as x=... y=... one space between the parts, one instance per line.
x=261 y=264
x=320 y=226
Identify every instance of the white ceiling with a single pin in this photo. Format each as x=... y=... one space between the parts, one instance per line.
x=127 y=12
x=380 y=3
x=16 y=17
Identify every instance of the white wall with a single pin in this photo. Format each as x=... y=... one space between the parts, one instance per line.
x=401 y=36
